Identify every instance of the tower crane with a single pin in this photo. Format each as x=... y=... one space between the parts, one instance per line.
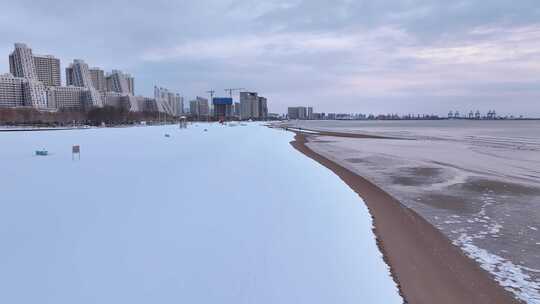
x=211 y=92
x=233 y=90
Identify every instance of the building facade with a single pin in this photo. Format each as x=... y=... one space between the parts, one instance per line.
x=300 y=113
x=78 y=74
x=70 y=97
x=97 y=76
x=119 y=82
x=21 y=63
x=11 y=91
x=263 y=108
x=168 y=102
x=223 y=107
x=48 y=70
x=199 y=107
x=249 y=108
x=310 y=113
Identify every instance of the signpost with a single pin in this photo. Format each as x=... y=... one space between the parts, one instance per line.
x=76 y=149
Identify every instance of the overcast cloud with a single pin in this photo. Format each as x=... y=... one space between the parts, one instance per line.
x=336 y=55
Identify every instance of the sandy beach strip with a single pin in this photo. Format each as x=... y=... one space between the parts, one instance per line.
x=427 y=267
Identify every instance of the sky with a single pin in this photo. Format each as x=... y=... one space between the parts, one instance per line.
x=402 y=56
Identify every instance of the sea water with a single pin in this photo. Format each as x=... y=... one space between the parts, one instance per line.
x=227 y=215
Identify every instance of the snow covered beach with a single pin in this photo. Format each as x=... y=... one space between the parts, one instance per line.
x=232 y=215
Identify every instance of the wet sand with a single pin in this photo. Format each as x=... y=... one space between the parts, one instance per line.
x=427 y=267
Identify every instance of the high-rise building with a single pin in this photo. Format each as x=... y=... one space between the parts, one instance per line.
x=249 y=105
x=11 y=91
x=176 y=102
x=263 y=108
x=302 y=112
x=120 y=82
x=299 y=112
x=78 y=74
x=236 y=109
x=98 y=79
x=48 y=70
x=193 y=108
x=71 y=97
x=199 y=107
x=44 y=68
x=168 y=102
x=292 y=112
x=222 y=107
x=21 y=63
x=131 y=84
x=310 y=113
x=69 y=76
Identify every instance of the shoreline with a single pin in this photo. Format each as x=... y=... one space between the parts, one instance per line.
x=425 y=265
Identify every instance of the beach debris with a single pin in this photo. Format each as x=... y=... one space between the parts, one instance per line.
x=205 y=130
x=76 y=149
x=167 y=135
x=42 y=152
x=183 y=123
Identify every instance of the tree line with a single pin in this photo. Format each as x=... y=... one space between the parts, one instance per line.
x=64 y=117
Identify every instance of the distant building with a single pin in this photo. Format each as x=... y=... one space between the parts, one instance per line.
x=253 y=106
x=249 y=108
x=119 y=82
x=263 y=108
x=168 y=102
x=222 y=107
x=78 y=74
x=292 y=112
x=199 y=107
x=98 y=79
x=71 y=97
x=236 y=109
x=48 y=70
x=21 y=62
x=22 y=65
x=11 y=91
x=193 y=108
x=300 y=113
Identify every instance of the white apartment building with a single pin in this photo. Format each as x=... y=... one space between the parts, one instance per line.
x=199 y=107
x=70 y=97
x=78 y=74
x=168 y=102
x=11 y=91
x=48 y=70
x=97 y=76
x=21 y=62
x=119 y=82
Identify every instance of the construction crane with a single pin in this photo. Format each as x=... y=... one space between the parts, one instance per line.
x=233 y=90
x=211 y=92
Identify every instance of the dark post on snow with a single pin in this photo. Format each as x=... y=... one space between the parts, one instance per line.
x=76 y=150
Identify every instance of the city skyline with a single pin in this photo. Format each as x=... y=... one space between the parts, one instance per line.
x=386 y=57
x=35 y=81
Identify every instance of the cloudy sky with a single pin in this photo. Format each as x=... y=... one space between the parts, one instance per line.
x=403 y=56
